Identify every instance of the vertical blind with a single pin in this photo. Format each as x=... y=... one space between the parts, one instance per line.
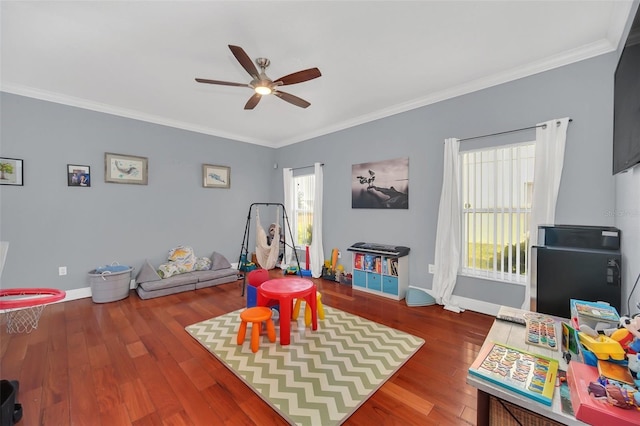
x=497 y=185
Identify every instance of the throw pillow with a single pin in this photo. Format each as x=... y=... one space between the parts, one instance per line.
x=147 y=273
x=218 y=261
x=203 y=264
x=167 y=270
x=183 y=257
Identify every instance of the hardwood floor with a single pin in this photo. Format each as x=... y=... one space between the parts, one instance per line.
x=132 y=363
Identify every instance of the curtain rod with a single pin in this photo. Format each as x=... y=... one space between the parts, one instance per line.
x=509 y=131
x=305 y=167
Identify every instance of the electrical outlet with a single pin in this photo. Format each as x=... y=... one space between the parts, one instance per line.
x=339 y=254
x=62 y=270
x=432 y=269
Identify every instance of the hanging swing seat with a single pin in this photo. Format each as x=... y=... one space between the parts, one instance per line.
x=267 y=251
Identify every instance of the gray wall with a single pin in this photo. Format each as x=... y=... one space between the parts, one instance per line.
x=582 y=91
x=627 y=218
x=49 y=224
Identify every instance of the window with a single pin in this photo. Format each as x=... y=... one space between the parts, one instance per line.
x=304 y=191
x=496 y=188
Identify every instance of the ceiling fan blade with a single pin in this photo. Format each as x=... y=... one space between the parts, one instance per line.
x=292 y=99
x=300 y=76
x=253 y=101
x=244 y=60
x=224 y=83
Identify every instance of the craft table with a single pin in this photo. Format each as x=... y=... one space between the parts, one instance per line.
x=514 y=335
x=284 y=290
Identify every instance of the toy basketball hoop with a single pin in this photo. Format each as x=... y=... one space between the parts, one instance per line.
x=23 y=306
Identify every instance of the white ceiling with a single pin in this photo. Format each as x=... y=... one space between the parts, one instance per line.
x=377 y=58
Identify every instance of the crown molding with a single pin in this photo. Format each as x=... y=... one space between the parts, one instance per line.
x=575 y=55
x=59 y=98
x=566 y=58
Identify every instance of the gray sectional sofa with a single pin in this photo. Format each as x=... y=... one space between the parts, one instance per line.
x=150 y=284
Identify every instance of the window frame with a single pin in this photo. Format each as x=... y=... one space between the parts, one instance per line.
x=297 y=210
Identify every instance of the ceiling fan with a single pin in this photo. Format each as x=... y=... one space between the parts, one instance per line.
x=263 y=85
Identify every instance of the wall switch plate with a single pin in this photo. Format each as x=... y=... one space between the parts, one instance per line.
x=432 y=269
x=62 y=270
x=339 y=254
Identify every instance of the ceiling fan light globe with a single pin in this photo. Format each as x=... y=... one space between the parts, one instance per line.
x=263 y=90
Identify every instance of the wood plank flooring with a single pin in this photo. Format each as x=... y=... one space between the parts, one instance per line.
x=131 y=362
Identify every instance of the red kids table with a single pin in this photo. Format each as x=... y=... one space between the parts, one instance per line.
x=285 y=290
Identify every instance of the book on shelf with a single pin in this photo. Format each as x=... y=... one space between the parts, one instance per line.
x=358 y=260
x=369 y=260
x=526 y=373
x=393 y=267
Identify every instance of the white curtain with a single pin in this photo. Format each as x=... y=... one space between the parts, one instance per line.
x=447 y=250
x=287 y=174
x=551 y=138
x=316 y=252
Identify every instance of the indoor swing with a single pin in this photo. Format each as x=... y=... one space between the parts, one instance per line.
x=266 y=252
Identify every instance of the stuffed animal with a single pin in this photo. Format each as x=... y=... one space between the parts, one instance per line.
x=625 y=338
x=633 y=326
x=634 y=364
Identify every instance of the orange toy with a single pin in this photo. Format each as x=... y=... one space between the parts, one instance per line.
x=334 y=258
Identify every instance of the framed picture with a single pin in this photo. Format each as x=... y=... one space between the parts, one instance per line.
x=216 y=176
x=380 y=185
x=120 y=168
x=11 y=171
x=78 y=176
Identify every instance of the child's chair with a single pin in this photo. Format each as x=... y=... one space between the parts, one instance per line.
x=255 y=278
x=307 y=312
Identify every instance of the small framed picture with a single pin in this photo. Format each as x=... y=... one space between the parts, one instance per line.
x=11 y=171
x=78 y=176
x=120 y=168
x=216 y=176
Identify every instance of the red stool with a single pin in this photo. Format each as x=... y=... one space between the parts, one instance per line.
x=256 y=316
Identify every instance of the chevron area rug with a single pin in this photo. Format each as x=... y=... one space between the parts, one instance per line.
x=323 y=376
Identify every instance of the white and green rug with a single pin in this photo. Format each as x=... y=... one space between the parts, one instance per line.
x=323 y=376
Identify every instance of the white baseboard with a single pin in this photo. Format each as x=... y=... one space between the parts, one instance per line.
x=83 y=293
x=476 y=305
x=480 y=306
x=465 y=303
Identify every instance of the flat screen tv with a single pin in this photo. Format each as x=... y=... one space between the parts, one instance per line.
x=626 y=108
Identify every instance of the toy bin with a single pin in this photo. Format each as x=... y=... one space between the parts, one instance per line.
x=109 y=284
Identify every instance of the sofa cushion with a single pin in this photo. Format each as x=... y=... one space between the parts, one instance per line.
x=222 y=280
x=147 y=273
x=163 y=292
x=218 y=261
x=174 y=281
x=213 y=275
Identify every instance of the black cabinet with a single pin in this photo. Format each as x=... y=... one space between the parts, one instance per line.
x=574 y=262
